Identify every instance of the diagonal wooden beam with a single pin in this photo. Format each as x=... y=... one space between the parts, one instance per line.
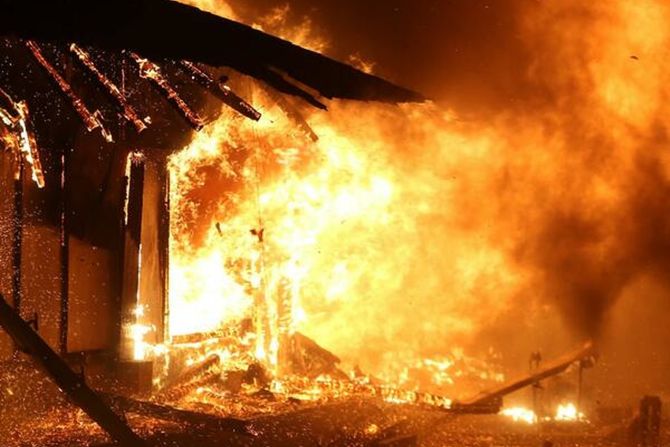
x=220 y=90
x=152 y=72
x=92 y=121
x=70 y=383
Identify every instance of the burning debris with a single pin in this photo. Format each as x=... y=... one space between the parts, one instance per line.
x=220 y=90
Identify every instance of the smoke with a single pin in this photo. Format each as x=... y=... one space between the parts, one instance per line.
x=603 y=224
x=571 y=190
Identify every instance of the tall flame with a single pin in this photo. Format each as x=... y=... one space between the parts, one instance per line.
x=406 y=231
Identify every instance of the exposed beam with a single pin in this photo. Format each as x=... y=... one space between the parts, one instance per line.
x=164 y=29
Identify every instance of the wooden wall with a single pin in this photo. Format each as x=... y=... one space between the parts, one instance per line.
x=92 y=303
x=6 y=236
x=92 y=273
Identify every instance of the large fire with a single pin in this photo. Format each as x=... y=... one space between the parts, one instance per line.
x=291 y=235
x=565 y=412
x=273 y=234
x=403 y=233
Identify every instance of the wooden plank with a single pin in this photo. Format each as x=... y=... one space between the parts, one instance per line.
x=70 y=383
x=92 y=306
x=152 y=286
x=40 y=280
x=553 y=368
x=166 y=413
x=131 y=250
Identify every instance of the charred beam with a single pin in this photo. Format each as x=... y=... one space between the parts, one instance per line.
x=92 y=121
x=178 y=392
x=70 y=383
x=554 y=368
x=152 y=72
x=172 y=414
x=281 y=82
x=220 y=90
x=290 y=111
x=195 y=371
x=129 y=112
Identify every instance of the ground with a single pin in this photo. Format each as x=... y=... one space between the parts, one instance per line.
x=34 y=413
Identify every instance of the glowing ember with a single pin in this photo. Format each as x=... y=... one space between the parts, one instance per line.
x=568 y=412
x=520 y=414
x=137 y=331
x=564 y=413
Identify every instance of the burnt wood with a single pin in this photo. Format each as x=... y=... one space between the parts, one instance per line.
x=71 y=384
x=167 y=413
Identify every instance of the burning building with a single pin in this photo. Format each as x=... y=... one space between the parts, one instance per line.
x=188 y=232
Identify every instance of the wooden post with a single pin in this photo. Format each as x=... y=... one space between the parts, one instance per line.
x=131 y=250
x=17 y=236
x=64 y=253
x=164 y=250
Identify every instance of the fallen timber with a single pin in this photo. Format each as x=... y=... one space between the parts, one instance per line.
x=167 y=413
x=70 y=383
x=491 y=398
x=194 y=373
x=490 y=401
